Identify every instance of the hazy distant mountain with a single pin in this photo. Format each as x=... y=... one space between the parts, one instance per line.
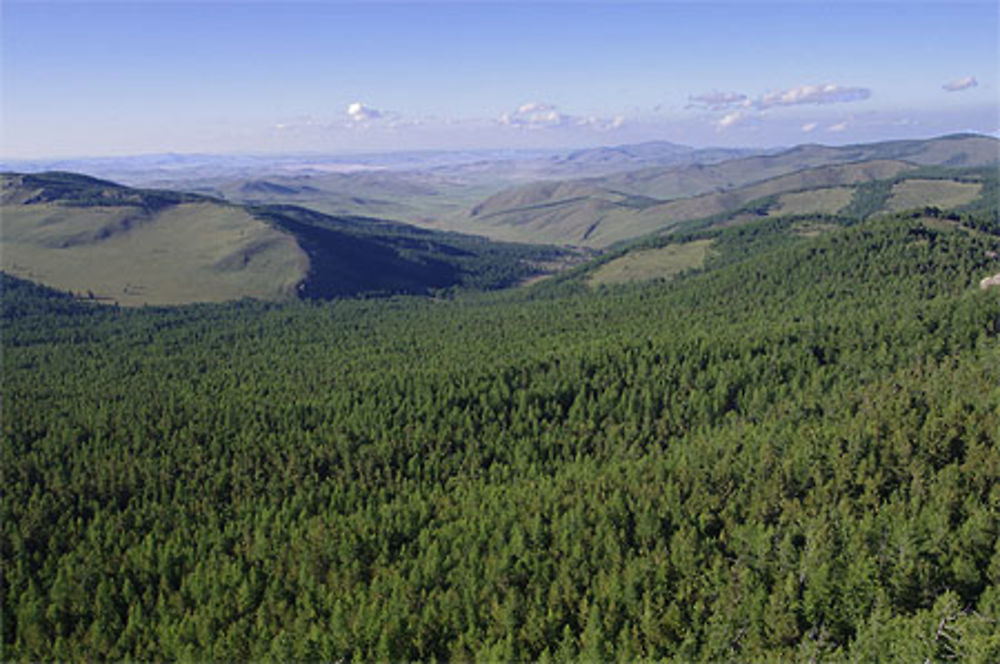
x=169 y=169
x=641 y=155
x=955 y=150
x=374 y=179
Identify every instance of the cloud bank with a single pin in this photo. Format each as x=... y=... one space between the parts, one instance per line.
x=804 y=94
x=813 y=94
x=737 y=108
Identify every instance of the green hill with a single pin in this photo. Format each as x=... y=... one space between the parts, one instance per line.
x=600 y=212
x=140 y=246
x=598 y=218
x=959 y=150
x=408 y=196
x=790 y=454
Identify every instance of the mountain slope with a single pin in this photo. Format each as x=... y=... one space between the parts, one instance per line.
x=598 y=212
x=966 y=150
x=140 y=246
x=591 y=216
x=793 y=455
x=134 y=247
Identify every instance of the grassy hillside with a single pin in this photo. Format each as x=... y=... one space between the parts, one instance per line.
x=138 y=246
x=961 y=150
x=917 y=193
x=427 y=195
x=593 y=217
x=600 y=212
x=646 y=264
x=823 y=200
x=411 y=196
x=791 y=455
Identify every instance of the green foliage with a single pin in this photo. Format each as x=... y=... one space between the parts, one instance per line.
x=793 y=454
x=869 y=198
x=984 y=213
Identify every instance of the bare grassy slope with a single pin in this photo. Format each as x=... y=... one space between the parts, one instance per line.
x=940 y=193
x=599 y=211
x=190 y=252
x=959 y=150
x=646 y=264
x=825 y=200
x=136 y=246
x=604 y=217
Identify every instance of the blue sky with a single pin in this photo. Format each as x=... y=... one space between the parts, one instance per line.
x=82 y=78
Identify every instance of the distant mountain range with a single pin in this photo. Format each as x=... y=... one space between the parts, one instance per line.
x=600 y=211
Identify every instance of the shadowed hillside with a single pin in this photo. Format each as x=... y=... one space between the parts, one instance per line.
x=139 y=246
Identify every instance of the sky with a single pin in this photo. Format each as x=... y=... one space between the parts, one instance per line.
x=95 y=79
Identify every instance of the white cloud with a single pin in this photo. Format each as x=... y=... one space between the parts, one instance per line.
x=601 y=124
x=840 y=126
x=960 y=84
x=808 y=127
x=731 y=119
x=533 y=107
x=358 y=112
x=534 y=114
x=813 y=94
x=716 y=101
x=541 y=115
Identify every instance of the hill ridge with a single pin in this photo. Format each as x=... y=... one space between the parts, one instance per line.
x=149 y=246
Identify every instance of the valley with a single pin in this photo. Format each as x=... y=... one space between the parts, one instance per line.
x=136 y=246
x=588 y=331
x=419 y=223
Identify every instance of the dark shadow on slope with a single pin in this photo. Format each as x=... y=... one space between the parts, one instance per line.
x=343 y=263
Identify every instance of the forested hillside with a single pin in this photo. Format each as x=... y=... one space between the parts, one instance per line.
x=791 y=454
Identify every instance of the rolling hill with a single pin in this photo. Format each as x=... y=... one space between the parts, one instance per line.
x=959 y=150
x=423 y=193
x=140 y=246
x=413 y=187
x=597 y=212
x=416 y=197
x=595 y=217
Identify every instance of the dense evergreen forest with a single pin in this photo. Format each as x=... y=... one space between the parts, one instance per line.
x=792 y=453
